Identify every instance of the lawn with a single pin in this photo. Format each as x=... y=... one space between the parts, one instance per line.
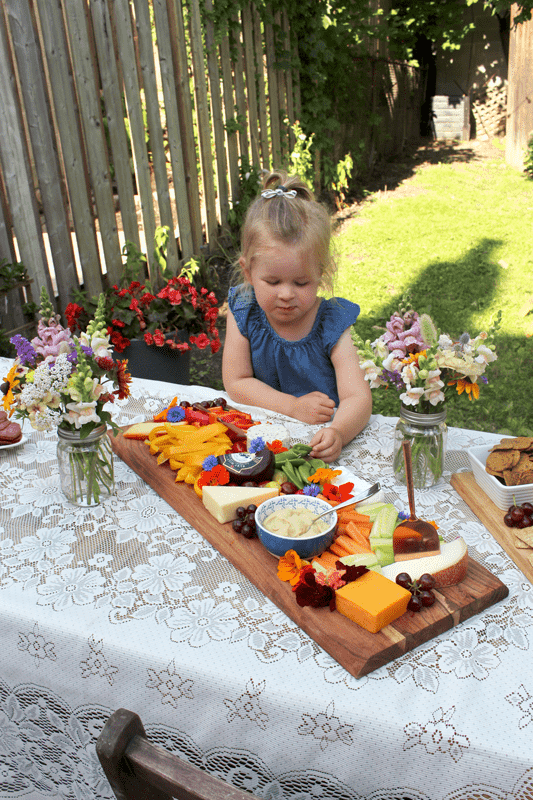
x=457 y=237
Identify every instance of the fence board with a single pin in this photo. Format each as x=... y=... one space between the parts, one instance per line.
x=240 y=97
x=204 y=128
x=229 y=113
x=261 y=90
x=132 y=90
x=155 y=128
x=273 y=97
x=250 y=72
x=173 y=126
x=17 y=174
x=93 y=128
x=216 y=114
x=69 y=135
x=39 y=125
x=519 y=92
x=112 y=96
x=185 y=110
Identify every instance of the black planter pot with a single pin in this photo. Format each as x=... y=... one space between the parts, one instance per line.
x=158 y=363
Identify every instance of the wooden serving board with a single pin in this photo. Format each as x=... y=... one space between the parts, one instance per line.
x=358 y=651
x=492 y=518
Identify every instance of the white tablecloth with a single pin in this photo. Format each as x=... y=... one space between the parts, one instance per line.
x=127 y=605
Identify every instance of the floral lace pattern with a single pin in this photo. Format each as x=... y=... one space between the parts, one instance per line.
x=125 y=604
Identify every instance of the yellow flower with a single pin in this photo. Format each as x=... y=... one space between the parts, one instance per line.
x=12 y=380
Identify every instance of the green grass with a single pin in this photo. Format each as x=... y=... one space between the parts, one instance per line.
x=459 y=241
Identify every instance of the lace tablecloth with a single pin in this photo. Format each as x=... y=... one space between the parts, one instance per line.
x=127 y=605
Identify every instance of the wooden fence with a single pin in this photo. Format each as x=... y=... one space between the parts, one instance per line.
x=519 y=128
x=120 y=115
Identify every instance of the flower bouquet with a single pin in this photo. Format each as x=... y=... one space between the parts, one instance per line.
x=59 y=381
x=424 y=367
x=134 y=310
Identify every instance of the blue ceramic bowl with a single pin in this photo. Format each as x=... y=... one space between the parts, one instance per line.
x=306 y=547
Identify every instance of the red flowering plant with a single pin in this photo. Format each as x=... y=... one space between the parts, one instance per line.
x=134 y=309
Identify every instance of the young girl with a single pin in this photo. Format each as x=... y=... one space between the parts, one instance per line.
x=287 y=349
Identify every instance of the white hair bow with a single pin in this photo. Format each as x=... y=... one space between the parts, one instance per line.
x=279 y=192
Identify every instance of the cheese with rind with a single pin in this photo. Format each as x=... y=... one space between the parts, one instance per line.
x=269 y=432
x=223 y=501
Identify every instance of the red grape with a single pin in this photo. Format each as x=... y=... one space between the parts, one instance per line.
x=404 y=580
x=427 y=597
x=415 y=603
x=426 y=581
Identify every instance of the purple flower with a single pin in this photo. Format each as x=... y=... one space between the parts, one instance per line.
x=209 y=463
x=175 y=414
x=26 y=353
x=312 y=490
x=256 y=445
x=403 y=515
x=87 y=350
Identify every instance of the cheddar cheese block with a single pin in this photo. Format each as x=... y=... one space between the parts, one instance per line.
x=372 y=601
x=223 y=501
x=141 y=430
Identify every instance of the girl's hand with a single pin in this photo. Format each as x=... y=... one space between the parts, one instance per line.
x=326 y=444
x=314 y=408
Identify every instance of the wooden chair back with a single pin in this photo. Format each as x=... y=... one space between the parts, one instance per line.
x=140 y=770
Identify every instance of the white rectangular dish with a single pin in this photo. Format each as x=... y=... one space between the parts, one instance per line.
x=500 y=494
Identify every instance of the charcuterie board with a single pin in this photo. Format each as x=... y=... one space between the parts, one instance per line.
x=492 y=518
x=358 y=651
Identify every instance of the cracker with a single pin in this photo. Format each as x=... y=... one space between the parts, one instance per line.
x=525 y=535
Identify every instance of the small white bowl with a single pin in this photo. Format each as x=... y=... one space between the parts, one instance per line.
x=306 y=547
x=501 y=495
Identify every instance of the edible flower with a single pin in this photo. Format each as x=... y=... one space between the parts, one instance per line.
x=324 y=475
x=209 y=463
x=463 y=385
x=337 y=493
x=311 y=593
x=218 y=476
x=312 y=490
x=256 y=445
x=175 y=414
x=334 y=579
x=276 y=446
x=289 y=567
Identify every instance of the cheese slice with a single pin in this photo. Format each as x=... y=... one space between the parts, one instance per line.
x=223 y=501
x=140 y=430
x=372 y=601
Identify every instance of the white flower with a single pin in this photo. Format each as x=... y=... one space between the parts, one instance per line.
x=392 y=363
x=42 y=492
x=72 y=587
x=165 y=572
x=146 y=513
x=466 y=657
x=485 y=355
x=202 y=622
x=410 y=373
x=45 y=543
x=81 y=413
x=412 y=395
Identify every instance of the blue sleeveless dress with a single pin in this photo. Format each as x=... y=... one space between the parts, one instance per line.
x=300 y=367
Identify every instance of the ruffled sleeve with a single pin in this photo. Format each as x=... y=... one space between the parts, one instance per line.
x=338 y=315
x=240 y=302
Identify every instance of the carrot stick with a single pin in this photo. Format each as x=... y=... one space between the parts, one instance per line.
x=328 y=560
x=354 y=546
x=358 y=534
x=339 y=550
x=348 y=514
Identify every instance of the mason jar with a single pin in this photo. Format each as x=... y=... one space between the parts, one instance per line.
x=85 y=465
x=427 y=434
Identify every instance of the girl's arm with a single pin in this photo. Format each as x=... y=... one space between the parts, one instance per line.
x=238 y=376
x=355 y=404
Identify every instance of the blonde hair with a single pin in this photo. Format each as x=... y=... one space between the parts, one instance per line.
x=293 y=220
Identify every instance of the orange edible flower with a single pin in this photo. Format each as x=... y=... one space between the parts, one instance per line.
x=324 y=475
x=338 y=493
x=289 y=567
x=276 y=446
x=472 y=389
